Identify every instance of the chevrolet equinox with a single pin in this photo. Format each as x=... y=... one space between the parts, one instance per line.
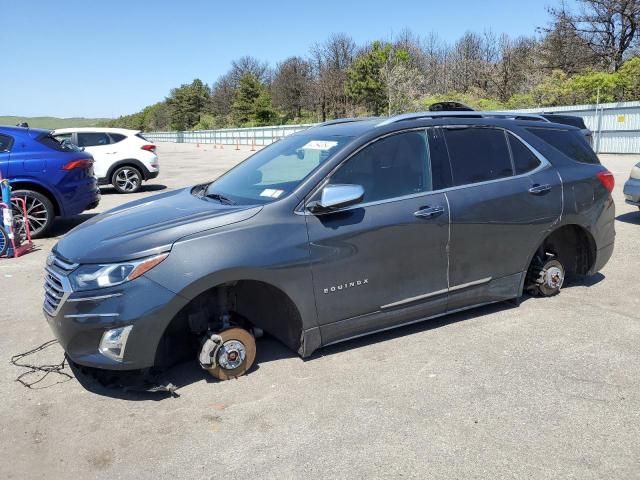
x=344 y=229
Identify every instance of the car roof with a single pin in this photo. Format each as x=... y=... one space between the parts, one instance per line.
x=15 y=130
x=354 y=127
x=124 y=131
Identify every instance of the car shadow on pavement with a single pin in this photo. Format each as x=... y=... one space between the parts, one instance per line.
x=156 y=187
x=630 y=217
x=63 y=225
x=269 y=349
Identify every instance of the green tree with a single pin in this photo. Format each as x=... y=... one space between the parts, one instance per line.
x=629 y=80
x=365 y=82
x=187 y=103
x=251 y=102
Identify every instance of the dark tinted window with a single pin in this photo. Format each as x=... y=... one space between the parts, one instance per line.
x=440 y=168
x=478 y=154
x=392 y=167
x=5 y=143
x=566 y=120
x=52 y=142
x=117 y=137
x=92 y=139
x=570 y=142
x=524 y=160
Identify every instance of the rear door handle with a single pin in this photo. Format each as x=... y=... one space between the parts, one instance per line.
x=429 y=212
x=539 y=189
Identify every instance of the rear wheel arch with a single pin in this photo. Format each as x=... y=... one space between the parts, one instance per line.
x=36 y=187
x=130 y=162
x=572 y=244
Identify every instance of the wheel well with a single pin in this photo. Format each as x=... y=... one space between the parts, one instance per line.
x=574 y=246
x=40 y=189
x=126 y=163
x=247 y=303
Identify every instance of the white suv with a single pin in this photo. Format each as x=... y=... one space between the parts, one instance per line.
x=123 y=158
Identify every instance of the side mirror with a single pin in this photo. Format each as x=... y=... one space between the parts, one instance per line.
x=334 y=197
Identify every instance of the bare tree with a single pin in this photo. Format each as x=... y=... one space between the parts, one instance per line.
x=291 y=86
x=222 y=93
x=608 y=27
x=251 y=65
x=330 y=61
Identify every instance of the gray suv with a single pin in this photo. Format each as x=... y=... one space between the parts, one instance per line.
x=347 y=228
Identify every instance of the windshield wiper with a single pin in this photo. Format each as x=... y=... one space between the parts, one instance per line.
x=220 y=198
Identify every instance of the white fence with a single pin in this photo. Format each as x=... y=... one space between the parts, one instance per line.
x=257 y=136
x=615 y=126
x=616 y=129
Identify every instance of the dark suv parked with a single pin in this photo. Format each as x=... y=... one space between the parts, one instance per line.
x=345 y=229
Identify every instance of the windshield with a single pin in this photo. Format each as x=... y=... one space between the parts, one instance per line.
x=275 y=171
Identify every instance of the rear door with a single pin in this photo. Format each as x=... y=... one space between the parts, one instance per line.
x=504 y=200
x=98 y=144
x=382 y=262
x=5 y=151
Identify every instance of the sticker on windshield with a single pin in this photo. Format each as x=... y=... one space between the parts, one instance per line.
x=320 y=145
x=271 y=193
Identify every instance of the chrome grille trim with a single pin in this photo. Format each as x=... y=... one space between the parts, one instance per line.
x=56 y=286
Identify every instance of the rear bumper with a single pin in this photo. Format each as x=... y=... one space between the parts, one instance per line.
x=85 y=197
x=632 y=192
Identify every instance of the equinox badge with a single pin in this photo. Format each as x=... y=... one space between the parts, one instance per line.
x=344 y=286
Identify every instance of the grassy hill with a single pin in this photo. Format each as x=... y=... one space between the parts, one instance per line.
x=52 y=122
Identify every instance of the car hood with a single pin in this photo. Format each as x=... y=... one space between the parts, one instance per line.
x=146 y=227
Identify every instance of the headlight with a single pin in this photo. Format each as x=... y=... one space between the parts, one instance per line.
x=90 y=277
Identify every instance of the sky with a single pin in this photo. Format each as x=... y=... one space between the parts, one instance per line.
x=104 y=59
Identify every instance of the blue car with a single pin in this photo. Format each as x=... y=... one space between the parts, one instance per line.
x=54 y=178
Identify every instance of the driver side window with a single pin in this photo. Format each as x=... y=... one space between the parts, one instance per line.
x=392 y=167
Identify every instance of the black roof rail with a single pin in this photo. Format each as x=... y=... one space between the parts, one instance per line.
x=338 y=121
x=461 y=114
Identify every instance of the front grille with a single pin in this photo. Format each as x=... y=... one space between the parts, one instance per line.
x=56 y=284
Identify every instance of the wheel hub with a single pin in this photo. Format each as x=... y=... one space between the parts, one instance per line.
x=554 y=277
x=231 y=354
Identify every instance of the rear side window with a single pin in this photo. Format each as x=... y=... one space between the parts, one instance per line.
x=524 y=160
x=116 y=137
x=570 y=142
x=6 y=142
x=93 y=139
x=477 y=154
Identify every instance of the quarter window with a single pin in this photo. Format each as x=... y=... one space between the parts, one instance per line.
x=93 y=139
x=5 y=143
x=524 y=160
x=570 y=142
x=116 y=137
x=392 y=167
x=477 y=154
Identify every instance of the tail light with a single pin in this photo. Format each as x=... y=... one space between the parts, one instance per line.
x=82 y=163
x=149 y=148
x=606 y=179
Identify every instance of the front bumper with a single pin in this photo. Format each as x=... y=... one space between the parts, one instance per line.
x=80 y=319
x=632 y=191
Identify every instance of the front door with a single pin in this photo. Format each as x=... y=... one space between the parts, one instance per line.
x=382 y=262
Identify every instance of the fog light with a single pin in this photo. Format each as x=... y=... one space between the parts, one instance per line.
x=114 y=341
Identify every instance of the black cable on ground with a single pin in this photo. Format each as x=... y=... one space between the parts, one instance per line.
x=45 y=370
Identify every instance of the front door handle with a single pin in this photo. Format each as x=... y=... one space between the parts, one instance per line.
x=539 y=189
x=429 y=212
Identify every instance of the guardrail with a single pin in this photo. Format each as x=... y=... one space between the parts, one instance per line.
x=256 y=136
x=615 y=126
